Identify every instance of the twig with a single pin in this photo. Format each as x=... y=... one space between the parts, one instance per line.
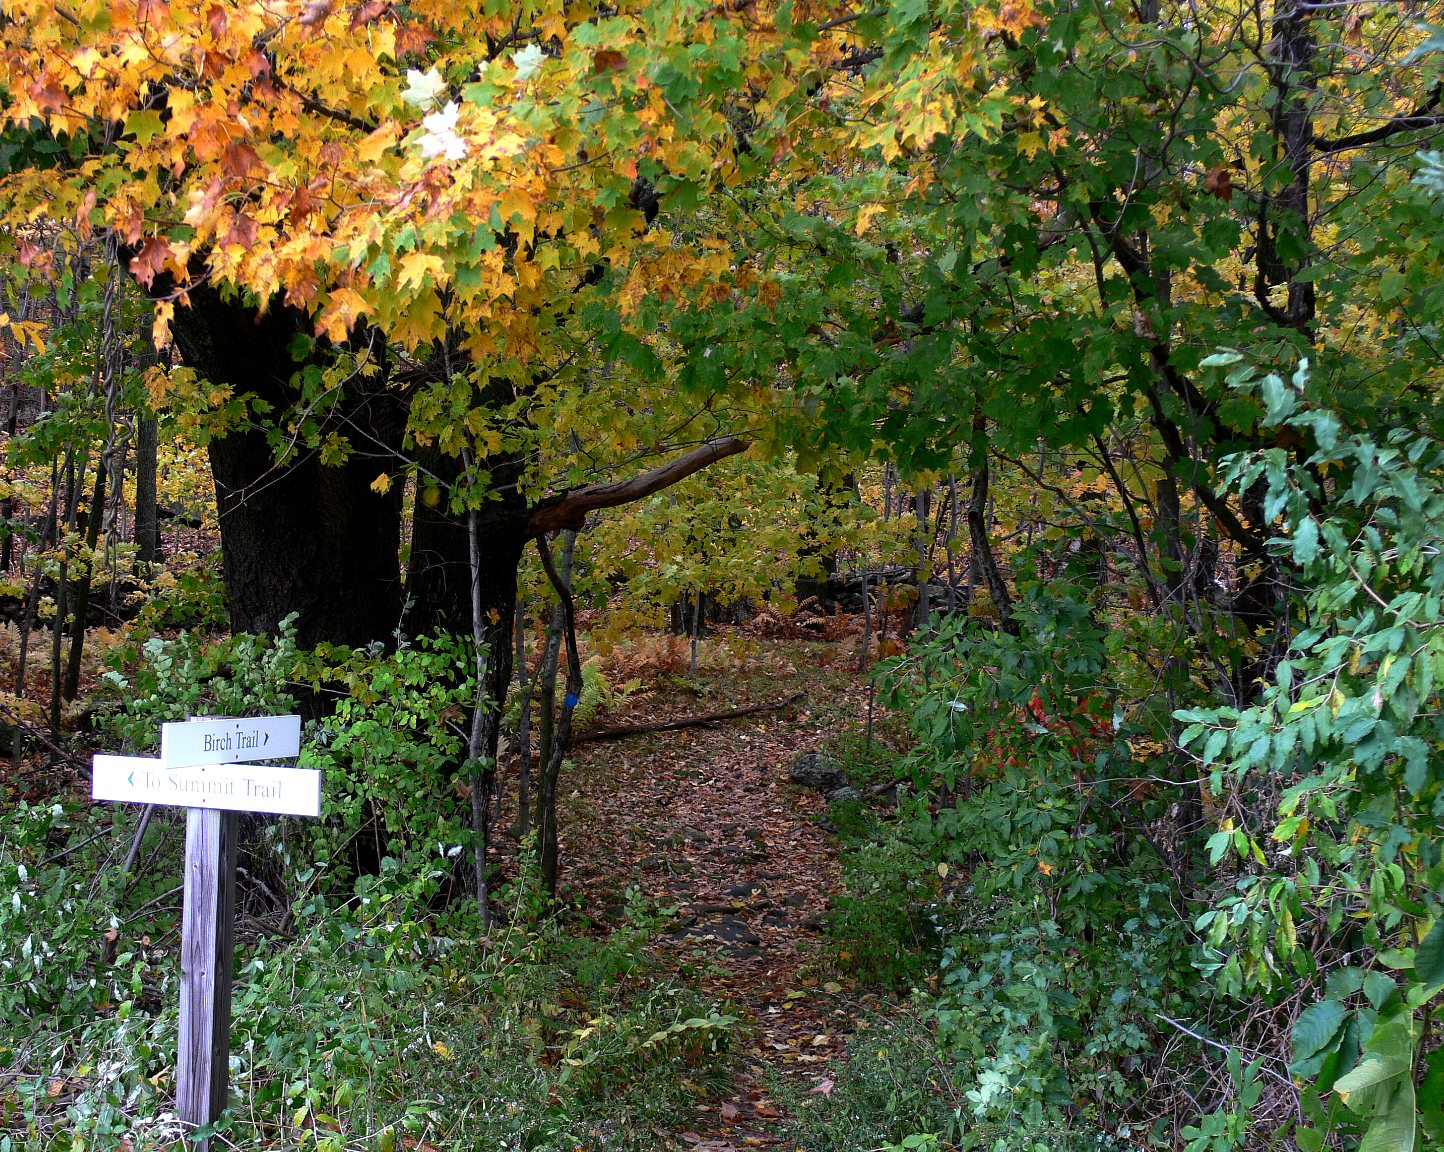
x=176 y=891
x=40 y=737
x=66 y=851
x=145 y=815
x=1187 y=1031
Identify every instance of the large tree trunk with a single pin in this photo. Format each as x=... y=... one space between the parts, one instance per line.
x=303 y=537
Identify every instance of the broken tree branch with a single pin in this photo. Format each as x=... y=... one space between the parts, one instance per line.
x=569 y=509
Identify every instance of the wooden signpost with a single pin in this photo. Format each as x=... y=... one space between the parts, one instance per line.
x=204 y=767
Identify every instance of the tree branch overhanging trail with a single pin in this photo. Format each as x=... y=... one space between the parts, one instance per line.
x=569 y=509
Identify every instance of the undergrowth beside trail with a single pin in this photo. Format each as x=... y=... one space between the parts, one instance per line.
x=378 y=1024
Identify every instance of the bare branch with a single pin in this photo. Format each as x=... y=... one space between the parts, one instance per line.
x=1423 y=116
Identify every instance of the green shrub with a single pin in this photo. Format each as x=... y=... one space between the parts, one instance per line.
x=394 y=753
x=1060 y=947
x=77 y=1049
x=386 y=1024
x=193 y=598
x=1330 y=858
x=393 y=748
x=386 y=1018
x=897 y=1084
x=196 y=675
x=881 y=925
x=53 y=916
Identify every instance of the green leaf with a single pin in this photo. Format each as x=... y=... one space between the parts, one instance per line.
x=1433 y=43
x=1381 y=1088
x=1429 y=956
x=1223 y=359
x=1217 y=741
x=1306 y=541
x=1431 y=1098
x=1315 y=1035
x=144 y=126
x=1374 y=1072
x=1395 y=1125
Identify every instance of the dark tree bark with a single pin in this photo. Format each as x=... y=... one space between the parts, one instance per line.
x=984 y=560
x=7 y=505
x=301 y=537
x=147 y=520
x=438 y=581
x=561 y=741
x=523 y=727
x=81 y=586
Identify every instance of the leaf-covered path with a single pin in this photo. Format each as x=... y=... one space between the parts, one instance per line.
x=704 y=820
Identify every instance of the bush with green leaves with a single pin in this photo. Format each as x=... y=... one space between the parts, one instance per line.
x=79 y=988
x=882 y=923
x=53 y=916
x=387 y=1021
x=1336 y=889
x=192 y=598
x=392 y=744
x=393 y=751
x=384 y=1022
x=193 y=674
x=895 y=1090
x=1025 y=790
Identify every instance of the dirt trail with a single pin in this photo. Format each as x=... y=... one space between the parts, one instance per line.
x=705 y=820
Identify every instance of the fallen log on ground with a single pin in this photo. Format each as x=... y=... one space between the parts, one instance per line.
x=689 y=722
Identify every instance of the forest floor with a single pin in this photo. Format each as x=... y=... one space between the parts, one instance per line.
x=704 y=820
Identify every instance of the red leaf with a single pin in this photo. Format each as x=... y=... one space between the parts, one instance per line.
x=240 y=158
x=1219 y=182
x=365 y=13
x=243 y=231
x=609 y=60
x=315 y=13
x=413 y=37
x=149 y=261
x=47 y=93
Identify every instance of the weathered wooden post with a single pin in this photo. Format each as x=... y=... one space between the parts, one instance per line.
x=200 y=768
x=207 y=954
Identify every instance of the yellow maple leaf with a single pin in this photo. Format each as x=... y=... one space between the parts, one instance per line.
x=865 y=215
x=422 y=270
x=373 y=146
x=381 y=485
x=341 y=312
x=160 y=327
x=1029 y=143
